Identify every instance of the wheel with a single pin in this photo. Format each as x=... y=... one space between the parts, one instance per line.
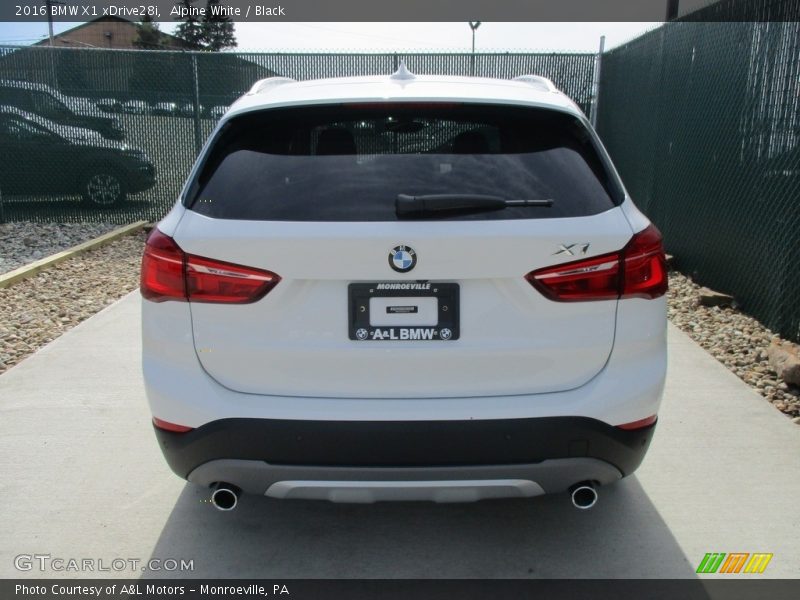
x=103 y=189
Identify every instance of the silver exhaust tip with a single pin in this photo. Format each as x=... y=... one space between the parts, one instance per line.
x=584 y=496
x=225 y=496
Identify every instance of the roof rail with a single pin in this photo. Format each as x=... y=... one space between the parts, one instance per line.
x=262 y=85
x=539 y=82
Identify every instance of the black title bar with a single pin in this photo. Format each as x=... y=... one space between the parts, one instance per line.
x=395 y=589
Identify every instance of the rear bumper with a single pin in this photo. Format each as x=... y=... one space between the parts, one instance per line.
x=552 y=452
x=437 y=484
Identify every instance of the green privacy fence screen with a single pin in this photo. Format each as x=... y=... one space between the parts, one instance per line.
x=701 y=118
x=703 y=122
x=161 y=106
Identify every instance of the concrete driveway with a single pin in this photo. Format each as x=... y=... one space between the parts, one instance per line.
x=83 y=478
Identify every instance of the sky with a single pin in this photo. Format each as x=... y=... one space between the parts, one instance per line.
x=369 y=37
x=561 y=37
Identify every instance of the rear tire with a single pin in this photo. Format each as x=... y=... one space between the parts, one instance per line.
x=103 y=189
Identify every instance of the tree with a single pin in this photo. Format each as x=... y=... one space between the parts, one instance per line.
x=190 y=30
x=214 y=32
x=148 y=34
x=217 y=30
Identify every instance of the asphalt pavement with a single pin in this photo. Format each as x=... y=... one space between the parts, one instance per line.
x=83 y=478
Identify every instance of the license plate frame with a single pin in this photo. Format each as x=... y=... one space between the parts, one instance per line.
x=447 y=294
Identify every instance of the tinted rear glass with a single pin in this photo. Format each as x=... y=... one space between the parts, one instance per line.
x=349 y=162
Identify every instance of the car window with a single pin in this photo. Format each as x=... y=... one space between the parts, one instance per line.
x=349 y=162
x=16 y=97
x=21 y=130
x=47 y=106
x=34 y=101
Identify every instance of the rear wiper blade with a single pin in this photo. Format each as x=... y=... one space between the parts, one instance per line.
x=419 y=206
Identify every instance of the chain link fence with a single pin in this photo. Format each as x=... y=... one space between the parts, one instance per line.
x=703 y=122
x=701 y=118
x=79 y=125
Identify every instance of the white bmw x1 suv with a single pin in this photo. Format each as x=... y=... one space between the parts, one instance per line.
x=404 y=288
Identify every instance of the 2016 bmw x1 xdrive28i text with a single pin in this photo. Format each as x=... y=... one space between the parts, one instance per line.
x=404 y=287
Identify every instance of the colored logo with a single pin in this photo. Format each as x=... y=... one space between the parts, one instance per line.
x=402 y=259
x=735 y=562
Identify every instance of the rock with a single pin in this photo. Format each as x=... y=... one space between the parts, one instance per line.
x=784 y=359
x=35 y=311
x=733 y=338
x=796 y=420
x=19 y=239
x=709 y=297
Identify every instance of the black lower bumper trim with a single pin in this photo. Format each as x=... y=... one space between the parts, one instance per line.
x=405 y=443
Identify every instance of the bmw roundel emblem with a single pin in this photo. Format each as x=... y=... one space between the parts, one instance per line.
x=402 y=259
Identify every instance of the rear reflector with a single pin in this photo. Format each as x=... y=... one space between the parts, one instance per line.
x=640 y=424
x=639 y=270
x=168 y=273
x=167 y=426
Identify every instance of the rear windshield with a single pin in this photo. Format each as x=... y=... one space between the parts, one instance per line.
x=349 y=163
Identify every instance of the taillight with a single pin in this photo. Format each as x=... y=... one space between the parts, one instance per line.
x=593 y=279
x=645 y=265
x=168 y=273
x=639 y=270
x=215 y=281
x=162 y=269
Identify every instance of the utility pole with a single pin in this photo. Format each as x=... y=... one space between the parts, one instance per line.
x=598 y=67
x=51 y=59
x=672 y=10
x=49 y=6
x=474 y=25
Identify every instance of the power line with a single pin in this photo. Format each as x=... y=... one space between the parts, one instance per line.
x=34 y=39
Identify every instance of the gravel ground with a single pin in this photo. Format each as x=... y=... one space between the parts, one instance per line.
x=35 y=311
x=739 y=342
x=24 y=242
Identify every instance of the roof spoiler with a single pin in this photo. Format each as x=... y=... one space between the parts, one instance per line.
x=263 y=85
x=540 y=83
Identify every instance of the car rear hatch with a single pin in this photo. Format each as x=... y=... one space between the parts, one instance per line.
x=373 y=302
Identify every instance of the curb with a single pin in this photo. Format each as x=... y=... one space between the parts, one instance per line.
x=33 y=268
